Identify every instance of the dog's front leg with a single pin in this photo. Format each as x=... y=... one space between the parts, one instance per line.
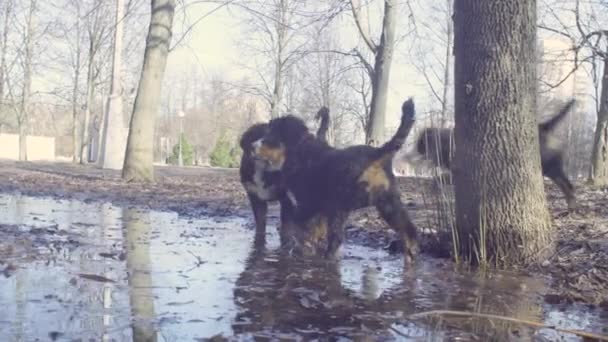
x=260 y=209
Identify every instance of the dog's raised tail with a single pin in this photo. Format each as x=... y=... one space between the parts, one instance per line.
x=550 y=124
x=408 y=117
x=323 y=117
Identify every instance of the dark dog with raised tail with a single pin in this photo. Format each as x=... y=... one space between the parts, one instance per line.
x=326 y=182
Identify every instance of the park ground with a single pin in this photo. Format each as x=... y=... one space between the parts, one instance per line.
x=577 y=267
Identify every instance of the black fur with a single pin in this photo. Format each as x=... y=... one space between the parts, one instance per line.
x=333 y=182
x=268 y=185
x=437 y=145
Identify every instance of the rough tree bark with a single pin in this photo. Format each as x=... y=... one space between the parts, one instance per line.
x=598 y=174
x=140 y=145
x=500 y=203
x=379 y=75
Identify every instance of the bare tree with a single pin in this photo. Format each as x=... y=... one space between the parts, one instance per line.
x=379 y=72
x=589 y=39
x=433 y=59
x=24 y=109
x=8 y=6
x=139 y=156
x=97 y=34
x=77 y=68
x=112 y=148
x=277 y=44
x=500 y=202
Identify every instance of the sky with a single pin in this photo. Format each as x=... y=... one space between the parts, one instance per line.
x=212 y=48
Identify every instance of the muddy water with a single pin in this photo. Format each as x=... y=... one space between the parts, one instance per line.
x=73 y=270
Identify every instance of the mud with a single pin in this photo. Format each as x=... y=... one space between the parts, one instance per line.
x=573 y=278
x=95 y=271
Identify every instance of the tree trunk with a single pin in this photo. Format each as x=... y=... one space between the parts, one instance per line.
x=84 y=146
x=446 y=69
x=7 y=15
x=140 y=146
x=281 y=30
x=500 y=202
x=75 y=89
x=277 y=92
x=598 y=174
x=112 y=143
x=23 y=119
x=382 y=66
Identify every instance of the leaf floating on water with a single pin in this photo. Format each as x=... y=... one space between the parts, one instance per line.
x=9 y=270
x=107 y=255
x=96 y=277
x=180 y=303
x=54 y=335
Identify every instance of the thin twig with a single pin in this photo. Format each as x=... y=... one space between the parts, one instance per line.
x=508 y=319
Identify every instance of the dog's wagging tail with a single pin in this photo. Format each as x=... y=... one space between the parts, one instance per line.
x=408 y=118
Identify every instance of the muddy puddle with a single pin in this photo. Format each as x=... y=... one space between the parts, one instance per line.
x=92 y=271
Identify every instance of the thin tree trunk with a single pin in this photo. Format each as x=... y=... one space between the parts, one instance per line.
x=500 y=202
x=382 y=66
x=7 y=15
x=84 y=146
x=112 y=156
x=598 y=174
x=23 y=119
x=277 y=91
x=446 y=70
x=140 y=146
x=75 y=89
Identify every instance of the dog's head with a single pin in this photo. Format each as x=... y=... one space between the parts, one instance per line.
x=282 y=134
x=251 y=135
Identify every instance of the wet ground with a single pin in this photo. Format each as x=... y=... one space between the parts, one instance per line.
x=71 y=270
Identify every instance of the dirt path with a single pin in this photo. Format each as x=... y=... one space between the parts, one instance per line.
x=579 y=265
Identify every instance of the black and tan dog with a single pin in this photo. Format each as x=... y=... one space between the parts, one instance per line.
x=262 y=184
x=437 y=146
x=326 y=183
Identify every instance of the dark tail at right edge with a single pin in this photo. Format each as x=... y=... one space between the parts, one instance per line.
x=550 y=124
x=408 y=117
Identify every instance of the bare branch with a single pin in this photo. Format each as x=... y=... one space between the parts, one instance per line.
x=355 y=7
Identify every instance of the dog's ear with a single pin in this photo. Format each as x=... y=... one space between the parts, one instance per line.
x=253 y=133
x=288 y=130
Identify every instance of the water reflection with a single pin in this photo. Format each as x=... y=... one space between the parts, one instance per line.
x=140 y=274
x=98 y=272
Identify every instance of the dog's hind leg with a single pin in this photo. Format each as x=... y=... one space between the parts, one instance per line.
x=260 y=209
x=558 y=176
x=335 y=233
x=393 y=211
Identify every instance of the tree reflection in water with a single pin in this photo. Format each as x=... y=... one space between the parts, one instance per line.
x=139 y=274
